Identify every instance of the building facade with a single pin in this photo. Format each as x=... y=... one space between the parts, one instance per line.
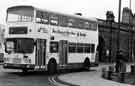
x=108 y=38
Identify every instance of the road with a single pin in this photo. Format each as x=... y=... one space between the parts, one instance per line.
x=10 y=77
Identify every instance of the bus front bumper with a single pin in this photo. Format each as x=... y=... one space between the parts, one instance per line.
x=18 y=66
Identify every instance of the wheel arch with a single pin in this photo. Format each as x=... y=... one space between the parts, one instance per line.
x=52 y=59
x=87 y=59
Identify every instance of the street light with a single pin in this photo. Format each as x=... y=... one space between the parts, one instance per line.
x=132 y=32
x=118 y=38
x=118 y=33
x=110 y=19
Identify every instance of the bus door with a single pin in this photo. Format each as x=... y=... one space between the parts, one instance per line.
x=40 y=52
x=63 y=51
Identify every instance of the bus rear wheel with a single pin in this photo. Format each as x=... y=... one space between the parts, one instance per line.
x=52 y=67
x=86 y=64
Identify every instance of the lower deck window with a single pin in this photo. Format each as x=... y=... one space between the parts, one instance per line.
x=72 y=47
x=87 y=49
x=81 y=48
x=54 y=47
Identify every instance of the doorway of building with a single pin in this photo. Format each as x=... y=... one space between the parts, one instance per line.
x=101 y=49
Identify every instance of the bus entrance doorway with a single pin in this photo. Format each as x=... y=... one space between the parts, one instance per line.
x=40 y=52
x=63 y=51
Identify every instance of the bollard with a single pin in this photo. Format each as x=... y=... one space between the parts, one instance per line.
x=109 y=75
x=104 y=72
x=110 y=71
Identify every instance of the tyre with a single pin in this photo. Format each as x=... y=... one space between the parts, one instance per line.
x=86 y=64
x=52 y=67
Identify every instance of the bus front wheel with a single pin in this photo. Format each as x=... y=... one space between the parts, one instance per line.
x=86 y=64
x=52 y=67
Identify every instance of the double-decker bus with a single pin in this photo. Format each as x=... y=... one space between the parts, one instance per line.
x=37 y=39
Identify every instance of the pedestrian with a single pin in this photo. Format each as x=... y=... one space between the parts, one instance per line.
x=120 y=62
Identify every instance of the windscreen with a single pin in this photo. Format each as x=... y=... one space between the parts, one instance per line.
x=20 y=14
x=19 y=45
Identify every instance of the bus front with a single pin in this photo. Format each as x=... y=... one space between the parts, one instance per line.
x=19 y=44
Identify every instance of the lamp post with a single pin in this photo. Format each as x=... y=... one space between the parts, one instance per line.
x=130 y=35
x=110 y=19
x=132 y=32
x=118 y=33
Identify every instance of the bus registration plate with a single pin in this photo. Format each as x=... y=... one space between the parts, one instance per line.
x=16 y=60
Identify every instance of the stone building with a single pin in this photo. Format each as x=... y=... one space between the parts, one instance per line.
x=2 y=29
x=108 y=37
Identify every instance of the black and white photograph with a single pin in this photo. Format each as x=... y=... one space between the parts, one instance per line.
x=67 y=43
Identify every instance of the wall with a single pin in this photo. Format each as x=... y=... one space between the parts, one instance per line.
x=108 y=40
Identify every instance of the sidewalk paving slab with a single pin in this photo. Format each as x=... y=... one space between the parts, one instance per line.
x=86 y=79
x=90 y=78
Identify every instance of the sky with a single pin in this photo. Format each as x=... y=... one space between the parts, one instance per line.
x=89 y=8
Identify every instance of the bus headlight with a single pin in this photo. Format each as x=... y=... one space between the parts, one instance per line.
x=26 y=60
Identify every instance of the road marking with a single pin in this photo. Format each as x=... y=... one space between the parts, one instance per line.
x=53 y=82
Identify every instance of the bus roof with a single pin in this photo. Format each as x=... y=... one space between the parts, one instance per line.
x=58 y=13
x=19 y=6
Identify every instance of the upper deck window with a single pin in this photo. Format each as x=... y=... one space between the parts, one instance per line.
x=63 y=21
x=57 y=19
x=54 y=19
x=42 y=17
x=20 y=14
x=71 y=22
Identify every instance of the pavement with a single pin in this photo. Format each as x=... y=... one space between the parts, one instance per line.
x=89 y=78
